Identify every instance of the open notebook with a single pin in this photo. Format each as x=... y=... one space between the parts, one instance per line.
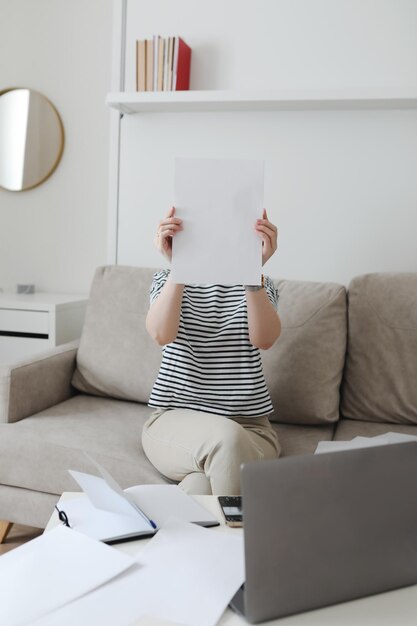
x=112 y=514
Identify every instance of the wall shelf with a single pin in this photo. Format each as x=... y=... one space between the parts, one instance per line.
x=255 y=100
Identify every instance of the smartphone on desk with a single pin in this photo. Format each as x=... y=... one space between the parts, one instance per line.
x=231 y=507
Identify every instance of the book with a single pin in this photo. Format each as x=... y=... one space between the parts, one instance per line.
x=162 y=64
x=156 y=39
x=160 y=79
x=168 y=66
x=149 y=65
x=181 y=66
x=171 y=64
x=141 y=65
x=111 y=514
x=165 y=73
x=175 y=62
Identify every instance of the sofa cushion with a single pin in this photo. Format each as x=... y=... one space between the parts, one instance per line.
x=381 y=363
x=116 y=357
x=297 y=439
x=348 y=429
x=303 y=370
x=37 y=452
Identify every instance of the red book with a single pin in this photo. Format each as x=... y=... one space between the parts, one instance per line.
x=181 y=65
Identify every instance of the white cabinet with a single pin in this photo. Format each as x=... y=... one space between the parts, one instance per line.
x=33 y=323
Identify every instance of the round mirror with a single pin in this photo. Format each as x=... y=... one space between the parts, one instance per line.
x=31 y=139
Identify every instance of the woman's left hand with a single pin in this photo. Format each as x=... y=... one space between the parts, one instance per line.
x=269 y=235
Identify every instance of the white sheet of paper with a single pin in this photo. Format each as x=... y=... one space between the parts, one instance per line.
x=113 y=484
x=398 y=437
x=51 y=570
x=338 y=446
x=189 y=576
x=102 y=495
x=219 y=201
x=363 y=442
x=161 y=502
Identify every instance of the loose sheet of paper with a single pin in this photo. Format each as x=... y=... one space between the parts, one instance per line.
x=189 y=575
x=363 y=442
x=51 y=570
x=161 y=502
x=219 y=201
x=102 y=495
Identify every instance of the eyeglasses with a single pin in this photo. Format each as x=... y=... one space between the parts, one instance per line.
x=63 y=517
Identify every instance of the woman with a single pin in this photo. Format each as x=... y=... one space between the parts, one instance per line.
x=210 y=395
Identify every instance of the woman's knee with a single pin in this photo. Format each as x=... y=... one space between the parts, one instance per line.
x=231 y=438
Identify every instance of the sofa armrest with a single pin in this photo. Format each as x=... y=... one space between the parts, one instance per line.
x=35 y=384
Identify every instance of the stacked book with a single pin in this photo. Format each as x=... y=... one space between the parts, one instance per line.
x=162 y=64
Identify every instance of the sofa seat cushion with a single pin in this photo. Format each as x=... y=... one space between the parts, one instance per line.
x=381 y=363
x=295 y=439
x=348 y=429
x=303 y=370
x=37 y=452
x=116 y=357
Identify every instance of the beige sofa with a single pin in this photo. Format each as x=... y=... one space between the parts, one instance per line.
x=345 y=365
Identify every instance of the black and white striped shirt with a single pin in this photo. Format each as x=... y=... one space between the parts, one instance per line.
x=212 y=366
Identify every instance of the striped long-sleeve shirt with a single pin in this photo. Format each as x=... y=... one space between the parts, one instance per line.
x=212 y=366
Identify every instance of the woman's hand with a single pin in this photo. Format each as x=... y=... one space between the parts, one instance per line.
x=269 y=235
x=166 y=231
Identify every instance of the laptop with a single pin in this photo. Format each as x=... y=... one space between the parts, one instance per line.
x=323 y=529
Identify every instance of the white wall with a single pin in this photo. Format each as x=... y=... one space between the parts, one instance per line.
x=341 y=185
x=55 y=235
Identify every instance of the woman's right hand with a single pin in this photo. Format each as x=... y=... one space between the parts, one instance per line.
x=166 y=231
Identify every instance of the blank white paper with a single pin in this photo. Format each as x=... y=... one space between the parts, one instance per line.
x=219 y=201
x=363 y=442
x=188 y=575
x=51 y=570
x=161 y=502
x=102 y=495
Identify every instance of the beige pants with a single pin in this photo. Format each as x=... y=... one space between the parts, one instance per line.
x=205 y=451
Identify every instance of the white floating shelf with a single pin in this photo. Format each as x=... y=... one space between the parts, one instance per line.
x=246 y=100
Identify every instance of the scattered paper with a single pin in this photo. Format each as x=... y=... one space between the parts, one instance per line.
x=219 y=201
x=189 y=575
x=102 y=495
x=52 y=570
x=162 y=502
x=363 y=442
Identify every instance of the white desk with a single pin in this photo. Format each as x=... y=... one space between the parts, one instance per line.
x=395 y=608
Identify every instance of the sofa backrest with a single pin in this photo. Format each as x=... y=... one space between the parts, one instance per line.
x=304 y=368
x=116 y=357
x=380 y=379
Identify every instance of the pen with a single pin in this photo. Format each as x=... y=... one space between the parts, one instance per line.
x=145 y=517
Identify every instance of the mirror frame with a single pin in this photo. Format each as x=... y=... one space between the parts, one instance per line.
x=61 y=147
